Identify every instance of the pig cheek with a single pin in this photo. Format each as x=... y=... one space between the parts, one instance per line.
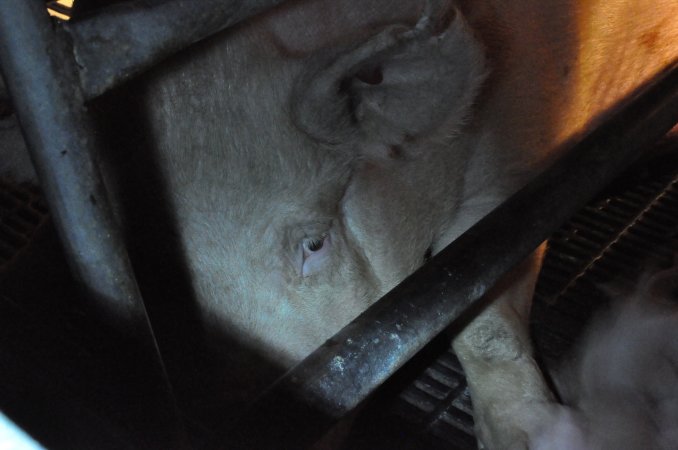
x=338 y=292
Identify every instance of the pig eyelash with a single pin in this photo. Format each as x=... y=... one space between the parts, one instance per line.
x=314 y=245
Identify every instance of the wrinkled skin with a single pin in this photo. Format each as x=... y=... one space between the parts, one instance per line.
x=314 y=155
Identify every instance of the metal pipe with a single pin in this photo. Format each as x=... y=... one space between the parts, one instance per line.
x=125 y=39
x=42 y=80
x=345 y=370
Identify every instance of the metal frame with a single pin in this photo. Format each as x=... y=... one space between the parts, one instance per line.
x=52 y=70
x=125 y=39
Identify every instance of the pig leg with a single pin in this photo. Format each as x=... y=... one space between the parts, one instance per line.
x=507 y=387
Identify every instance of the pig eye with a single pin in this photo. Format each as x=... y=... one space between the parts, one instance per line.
x=315 y=252
x=371 y=75
x=314 y=245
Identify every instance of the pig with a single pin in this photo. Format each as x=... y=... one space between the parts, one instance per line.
x=316 y=155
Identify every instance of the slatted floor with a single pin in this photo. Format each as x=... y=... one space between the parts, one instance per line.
x=22 y=211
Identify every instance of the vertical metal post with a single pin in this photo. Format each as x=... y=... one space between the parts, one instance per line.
x=41 y=75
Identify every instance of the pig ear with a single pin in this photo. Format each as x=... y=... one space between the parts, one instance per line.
x=398 y=85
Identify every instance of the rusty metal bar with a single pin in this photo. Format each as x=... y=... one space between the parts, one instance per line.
x=42 y=80
x=125 y=39
x=345 y=370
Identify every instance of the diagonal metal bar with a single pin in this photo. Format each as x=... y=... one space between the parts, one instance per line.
x=125 y=39
x=41 y=78
x=345 y=370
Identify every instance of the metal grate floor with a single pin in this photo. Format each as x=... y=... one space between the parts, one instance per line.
x=22 y=211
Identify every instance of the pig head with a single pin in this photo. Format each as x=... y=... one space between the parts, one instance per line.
x=315 y=157
x=306 y=187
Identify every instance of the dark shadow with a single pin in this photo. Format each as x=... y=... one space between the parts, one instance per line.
x=214 y=376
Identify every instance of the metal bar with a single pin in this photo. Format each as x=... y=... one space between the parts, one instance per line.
x=345 y=370
x=125 y=39
x=42 y=81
